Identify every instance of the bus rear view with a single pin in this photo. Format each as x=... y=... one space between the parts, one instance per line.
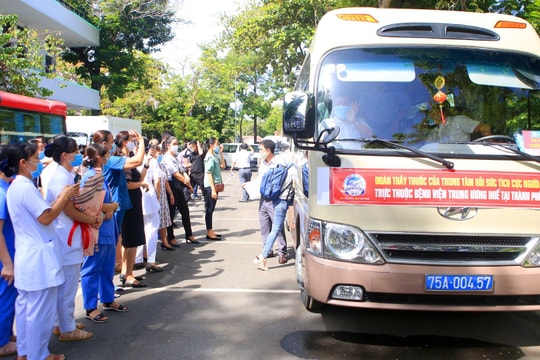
x=420 y=189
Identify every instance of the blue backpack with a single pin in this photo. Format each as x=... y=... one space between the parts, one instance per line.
x=273 y=183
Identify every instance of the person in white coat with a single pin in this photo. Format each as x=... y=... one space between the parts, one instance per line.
x=65 y=152
x=37 y=264
x=150 y=209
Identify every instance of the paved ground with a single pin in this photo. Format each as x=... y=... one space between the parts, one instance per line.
x=211 y=302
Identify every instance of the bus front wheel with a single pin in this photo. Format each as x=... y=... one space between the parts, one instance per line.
x=310 y=303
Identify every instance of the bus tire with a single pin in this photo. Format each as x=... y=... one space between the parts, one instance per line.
x=310 y=303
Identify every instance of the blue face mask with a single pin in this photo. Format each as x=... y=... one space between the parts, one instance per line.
x=39 y=168
x=113 y=149
x=341 y=111
x=41 y=155
x=159 y=158
x=216 y=150
x=77 y=161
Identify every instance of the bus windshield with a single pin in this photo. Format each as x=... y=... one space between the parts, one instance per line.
x=430 y=98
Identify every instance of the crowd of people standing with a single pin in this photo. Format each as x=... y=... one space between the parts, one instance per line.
x=88 y=216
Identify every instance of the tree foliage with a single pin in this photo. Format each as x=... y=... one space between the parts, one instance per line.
x=126 y=26
x=21 y=59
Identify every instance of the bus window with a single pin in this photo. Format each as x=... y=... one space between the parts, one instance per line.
x=23 y=118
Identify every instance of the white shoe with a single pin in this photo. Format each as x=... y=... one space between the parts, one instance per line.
x=259 y=260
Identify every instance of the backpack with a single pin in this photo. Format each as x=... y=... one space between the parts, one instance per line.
x=273 y=183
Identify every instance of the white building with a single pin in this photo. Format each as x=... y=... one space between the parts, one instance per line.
x=57 y=17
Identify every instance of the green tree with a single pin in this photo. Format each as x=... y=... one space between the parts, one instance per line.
x=126 y=26
x=21 y=58
x=277 y=33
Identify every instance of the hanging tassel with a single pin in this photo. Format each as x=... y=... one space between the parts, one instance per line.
x=443 y=120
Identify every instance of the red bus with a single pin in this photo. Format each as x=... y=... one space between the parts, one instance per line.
x=23 y=118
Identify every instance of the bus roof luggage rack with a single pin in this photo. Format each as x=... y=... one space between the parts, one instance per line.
x=437 y=31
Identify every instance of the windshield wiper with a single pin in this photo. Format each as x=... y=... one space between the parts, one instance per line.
x=512 y=149
x=446 y=163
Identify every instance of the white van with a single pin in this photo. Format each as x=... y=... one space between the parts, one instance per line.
x=230 y=149
x=422 y=187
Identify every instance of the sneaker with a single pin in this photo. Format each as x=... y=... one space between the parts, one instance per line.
x=282 y=259
x=259 y=260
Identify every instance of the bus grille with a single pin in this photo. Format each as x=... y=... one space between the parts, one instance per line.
x=453 y=249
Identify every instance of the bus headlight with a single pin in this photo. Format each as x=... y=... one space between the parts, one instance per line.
x=348 y=243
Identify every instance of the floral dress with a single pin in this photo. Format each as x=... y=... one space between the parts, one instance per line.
x=164 y=214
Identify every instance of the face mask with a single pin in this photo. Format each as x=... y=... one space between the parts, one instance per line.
x=341 y=111
x=113 y=149
x=216 y=150
x=130 y=146
x=174 y=149
x=263 y=154
x=77 y=161
x=41 y=155
x=159 y=158
x=39 y=168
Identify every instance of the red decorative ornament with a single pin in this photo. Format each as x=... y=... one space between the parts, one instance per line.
x=440 y=98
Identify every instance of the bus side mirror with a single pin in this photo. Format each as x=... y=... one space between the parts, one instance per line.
x=299 y=114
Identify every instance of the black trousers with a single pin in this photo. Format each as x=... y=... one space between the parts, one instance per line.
x=181 y=204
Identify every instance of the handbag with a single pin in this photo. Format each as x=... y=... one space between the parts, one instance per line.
x=219 y=187
x=177 y=184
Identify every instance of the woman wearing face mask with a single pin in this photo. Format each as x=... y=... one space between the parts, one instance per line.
x=133 y=223
x=178 y=179
x=8 y=292
x=116 y=179
x=345 y=115
x=64 y=151
x=38 y=264
x=213 y=162
x=97 y=271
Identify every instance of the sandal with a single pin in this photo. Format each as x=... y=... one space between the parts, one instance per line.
x=99 y=318
x=153 y=268
x=55 y=357
x=75 y=335
x=9 y=349
x=118 y=307
x=56 y=329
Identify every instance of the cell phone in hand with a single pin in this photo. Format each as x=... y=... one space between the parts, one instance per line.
x=77 y=179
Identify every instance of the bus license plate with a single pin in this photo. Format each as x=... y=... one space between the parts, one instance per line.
x=459 y=282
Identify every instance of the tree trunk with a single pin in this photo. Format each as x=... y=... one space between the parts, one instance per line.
x=385 y=3
x=255 y=129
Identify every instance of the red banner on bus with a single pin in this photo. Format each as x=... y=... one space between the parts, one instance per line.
x=349 y=186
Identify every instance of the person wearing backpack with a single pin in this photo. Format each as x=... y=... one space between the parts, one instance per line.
x=272 y=212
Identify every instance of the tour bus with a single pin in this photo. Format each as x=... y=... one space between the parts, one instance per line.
x=417 y=140
x=23 y=118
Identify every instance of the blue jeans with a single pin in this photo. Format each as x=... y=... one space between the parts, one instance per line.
x=280 y=211
x=209 y=207
x=244 y=175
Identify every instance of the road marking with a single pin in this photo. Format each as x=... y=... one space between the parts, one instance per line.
x=218 y=290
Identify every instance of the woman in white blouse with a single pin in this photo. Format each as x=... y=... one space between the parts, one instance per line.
x=37 y=265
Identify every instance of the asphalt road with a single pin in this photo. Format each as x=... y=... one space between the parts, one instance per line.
x=211 y=302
